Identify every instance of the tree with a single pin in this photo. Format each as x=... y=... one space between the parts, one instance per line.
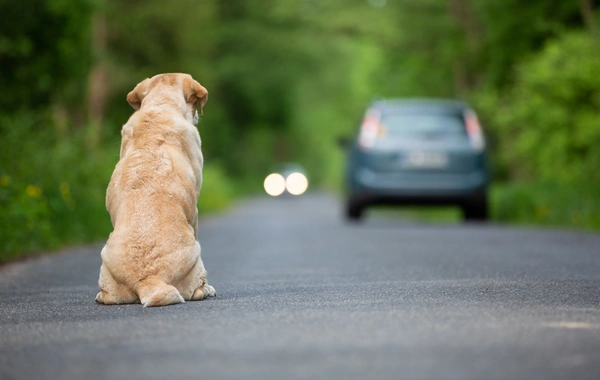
x=44 y=52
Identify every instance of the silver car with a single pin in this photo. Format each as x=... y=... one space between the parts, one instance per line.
x=418 y=152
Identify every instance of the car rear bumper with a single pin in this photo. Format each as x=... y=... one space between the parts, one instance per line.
x=417 y=188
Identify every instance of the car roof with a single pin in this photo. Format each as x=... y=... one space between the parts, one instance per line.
x=426 y=105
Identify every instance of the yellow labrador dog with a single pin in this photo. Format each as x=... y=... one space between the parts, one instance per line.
x=153 y=254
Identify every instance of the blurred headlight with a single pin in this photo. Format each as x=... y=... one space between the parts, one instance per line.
x=274 y=184
x=296 y=183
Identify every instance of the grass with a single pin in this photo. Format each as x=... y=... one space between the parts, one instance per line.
x=576 y=207
x=547 y=205
x=442 y=215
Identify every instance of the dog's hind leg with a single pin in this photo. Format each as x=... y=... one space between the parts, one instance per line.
x=194 y=287
x=111 y=292
x=106 y=298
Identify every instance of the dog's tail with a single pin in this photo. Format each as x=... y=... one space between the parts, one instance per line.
x=154 y=291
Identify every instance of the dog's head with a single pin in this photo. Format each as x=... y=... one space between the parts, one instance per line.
x=180 y=90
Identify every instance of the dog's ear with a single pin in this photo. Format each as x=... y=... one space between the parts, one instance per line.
x=135 y=97
x=194 y=92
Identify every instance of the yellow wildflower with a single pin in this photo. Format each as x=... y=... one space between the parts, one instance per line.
x=33 y=191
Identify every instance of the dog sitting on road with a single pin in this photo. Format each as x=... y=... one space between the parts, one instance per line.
x=153 y=254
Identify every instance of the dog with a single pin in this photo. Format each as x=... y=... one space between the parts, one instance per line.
x=152 y=256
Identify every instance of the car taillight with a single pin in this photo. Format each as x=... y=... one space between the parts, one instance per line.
x=474 y=131
x=370 y=129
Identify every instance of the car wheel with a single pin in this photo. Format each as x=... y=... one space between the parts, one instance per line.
x=354 y=211
x=476 y=209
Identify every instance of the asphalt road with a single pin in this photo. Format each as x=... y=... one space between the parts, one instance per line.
x=302 y=295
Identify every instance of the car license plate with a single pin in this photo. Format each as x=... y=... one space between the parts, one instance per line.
x=424 y=160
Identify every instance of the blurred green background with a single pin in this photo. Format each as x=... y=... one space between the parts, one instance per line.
x=286 y=78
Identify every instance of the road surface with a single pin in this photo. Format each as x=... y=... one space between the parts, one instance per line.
x=303 y=295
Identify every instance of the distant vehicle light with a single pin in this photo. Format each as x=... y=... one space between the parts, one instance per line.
x=370 y=129
x=296 y=183
x=274 y=184
x=474 y=131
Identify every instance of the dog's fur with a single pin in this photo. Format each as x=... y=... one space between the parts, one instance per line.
x=153 y=254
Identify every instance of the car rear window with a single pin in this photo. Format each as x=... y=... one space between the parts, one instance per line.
x=420 y=125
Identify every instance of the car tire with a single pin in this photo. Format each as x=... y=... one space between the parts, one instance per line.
x=476 y=210
x=354 y=211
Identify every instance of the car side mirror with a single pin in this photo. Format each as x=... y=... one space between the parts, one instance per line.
x=344 y=142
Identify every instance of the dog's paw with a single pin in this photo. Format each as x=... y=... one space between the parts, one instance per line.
x=99 y=298
x=211 y=291
x=203 y=292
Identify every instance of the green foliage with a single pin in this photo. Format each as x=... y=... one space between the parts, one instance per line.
x=513 y=30
x=51 y=189
x=44 y=51
x=549 y=121
x=217 y=190
x=48 y=194
x=546 y=204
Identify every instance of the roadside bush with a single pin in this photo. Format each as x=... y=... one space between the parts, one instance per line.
x=51 y=188
x=547 y=205
x=545 y=128
x=549 y=120
x=217 y=189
